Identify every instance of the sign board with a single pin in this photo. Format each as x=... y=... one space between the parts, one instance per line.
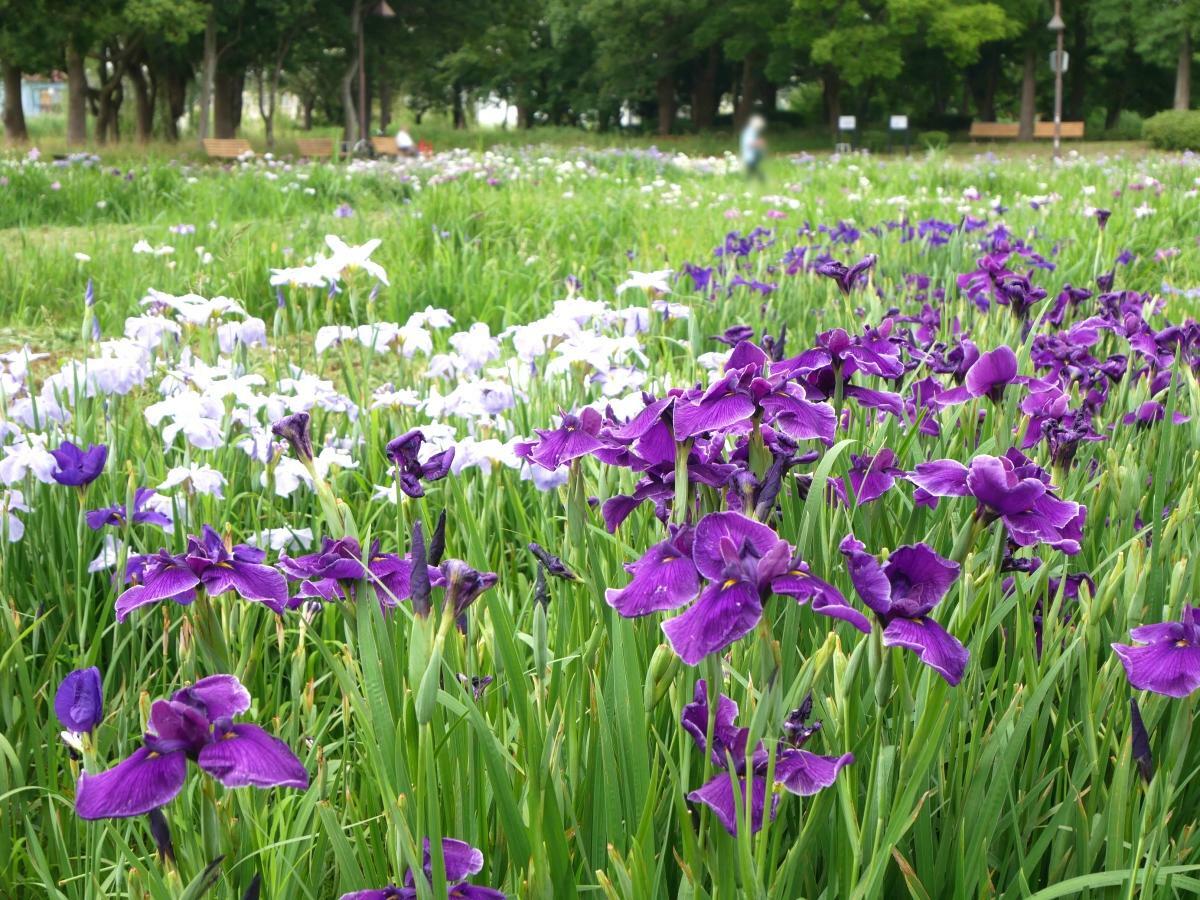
x=899 y=123
x=1066 y=60
x=847 y=123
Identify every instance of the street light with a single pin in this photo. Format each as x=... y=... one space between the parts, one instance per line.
x=383 y=11
x=1057 y=26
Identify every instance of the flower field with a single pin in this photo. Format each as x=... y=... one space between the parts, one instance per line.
x=545 y=522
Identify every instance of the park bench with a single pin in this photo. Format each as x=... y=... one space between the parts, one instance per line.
x=383 y=145
x=315 y=148
x=993 y=131
x=1067 y=130
x=226 y=148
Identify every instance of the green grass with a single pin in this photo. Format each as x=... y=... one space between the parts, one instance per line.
x=570 y=771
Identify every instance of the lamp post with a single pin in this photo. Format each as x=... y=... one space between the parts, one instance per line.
x=1058 y=27
x=383 y=11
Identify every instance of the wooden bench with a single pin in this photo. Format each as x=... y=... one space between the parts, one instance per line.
x=994 y=131
x=1067 y=129
x=315 y=148
x=226 y=148
x=384 y=145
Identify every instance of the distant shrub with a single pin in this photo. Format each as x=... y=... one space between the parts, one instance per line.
x=1128 y=126
x=1175 y=129
x=874 y=140
x=934 y=140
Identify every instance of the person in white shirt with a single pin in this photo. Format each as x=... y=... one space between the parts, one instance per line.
x=405 y=145
x=753 y=145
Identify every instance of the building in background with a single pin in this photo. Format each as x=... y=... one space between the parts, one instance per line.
x=41 y=95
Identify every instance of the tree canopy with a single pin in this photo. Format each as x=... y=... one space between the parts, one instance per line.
x=671 y=65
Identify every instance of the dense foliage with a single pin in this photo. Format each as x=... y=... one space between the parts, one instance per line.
x=1174 y=130
x=669 y=65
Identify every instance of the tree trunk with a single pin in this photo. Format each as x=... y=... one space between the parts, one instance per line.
x=524 y=116
x=14 y=114
x=704 y=90
x=385 y=105
x=1028 y=94
x=208 y=72
x=104 y=97
x=237 y=90
x=769 y=94
x=987 y=100
x=307 y=105
x=118 y=98
x=664 y=93
x=350 y=117
x=368 y=103
x=76 y=96
x=175 y=95
x=1183 y=74
x=144 y=103
x=460 y=113
x=831 y=93
x=227 y=103
x=749 y=90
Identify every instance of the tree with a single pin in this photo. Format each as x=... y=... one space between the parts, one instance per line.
x=870 y=42
x=643 y=47
x=25 y=46
x=1165 y=35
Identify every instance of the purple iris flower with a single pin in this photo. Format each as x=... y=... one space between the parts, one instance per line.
x=798 y=771
x=464 y=584
x=1018 y=293
x=155 y=577
x=1169 y=660
x=1102 y=217
x=870 y=477
x=79 y=701
x=980 y=285
x=461 y=862
x=404 y=451
x=751 y=389
x=734 y=335
x=78 y=467
x=787 y=408
x=117 y=516
x=846 y=276
x=730 y=565
x=726 y=403
x=992 y=373
x=902 y=592
x=208 y=563
x=322 y=575
x=956 y=361
x=330 y=574
x=575 y=437
x=1150 y=412
x=196 y=724
x=295 y=430
x=874 y=351
x=1009 y=488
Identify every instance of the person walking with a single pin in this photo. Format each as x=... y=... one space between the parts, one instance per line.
x=754 y=146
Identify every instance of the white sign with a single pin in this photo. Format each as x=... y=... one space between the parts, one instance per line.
x=847 y=123
x=899 y=123
x=1066 y=60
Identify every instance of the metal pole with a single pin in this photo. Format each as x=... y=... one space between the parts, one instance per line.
x=363 y=78
x=1058 y=85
